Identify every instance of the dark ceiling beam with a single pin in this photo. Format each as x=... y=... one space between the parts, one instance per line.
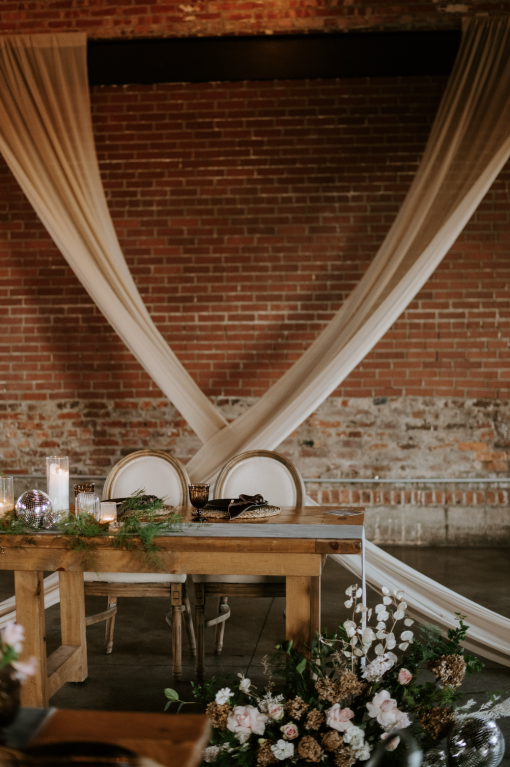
x=275 y=57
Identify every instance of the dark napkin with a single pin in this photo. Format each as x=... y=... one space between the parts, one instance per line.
x=236 y=506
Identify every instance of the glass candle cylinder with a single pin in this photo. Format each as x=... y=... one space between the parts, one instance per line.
x=83 y=487
x=108 y=512
x=57 y=477
x=88 y=503
x=6 y=495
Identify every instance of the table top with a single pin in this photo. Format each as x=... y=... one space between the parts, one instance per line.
x=167 y=739
x=298 y=529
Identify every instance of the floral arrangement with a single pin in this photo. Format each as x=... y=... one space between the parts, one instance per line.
x=12 y=637
x=357 y=687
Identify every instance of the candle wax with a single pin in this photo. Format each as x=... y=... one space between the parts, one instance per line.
x=58 y=488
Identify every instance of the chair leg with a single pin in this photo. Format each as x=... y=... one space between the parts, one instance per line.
x=177 y=610
x=110 y=624
x=200 y=624
x=220 y=627
x=188 y=624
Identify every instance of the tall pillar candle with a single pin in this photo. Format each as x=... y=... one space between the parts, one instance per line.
x=6 y=495
x=57 y=475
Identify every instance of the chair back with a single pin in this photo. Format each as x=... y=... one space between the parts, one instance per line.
x=261 y=471
x=154 y=471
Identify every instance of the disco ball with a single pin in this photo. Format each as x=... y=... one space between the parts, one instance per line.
x=476 y=742
x=32 y=506
x=53 y=519
x=434 y=757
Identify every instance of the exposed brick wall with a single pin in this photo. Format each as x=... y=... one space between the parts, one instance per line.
x=173 y=18
x=247 y=212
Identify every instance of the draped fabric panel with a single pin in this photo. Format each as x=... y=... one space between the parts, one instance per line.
x=46 y=139
x=468 y=146
x=429 y=602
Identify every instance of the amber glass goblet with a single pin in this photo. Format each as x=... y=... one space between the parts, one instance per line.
x=198 y=495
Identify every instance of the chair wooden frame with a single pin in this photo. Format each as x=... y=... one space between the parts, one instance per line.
x=223 y=590
x=180 y=607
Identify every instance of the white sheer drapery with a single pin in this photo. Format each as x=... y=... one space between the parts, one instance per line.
x=46 y=138
x=429 y=602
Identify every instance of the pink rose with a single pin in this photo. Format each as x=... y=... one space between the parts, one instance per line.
x=24 y=669
x=404 y=676
x=275 y=711
x=13 y=635
x=290 y=731
x=338 y=718
x=384 y=709
x=244 y=720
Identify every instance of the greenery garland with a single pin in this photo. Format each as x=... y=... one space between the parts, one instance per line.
x=138 y=531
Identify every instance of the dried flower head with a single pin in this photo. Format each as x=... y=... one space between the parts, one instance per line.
x=296 y=708
x=331 y=741
x=449 y=669
x=264 y=754
x=218 y=714
x=327 y=689
x=349 y=684
x=345 y=757
x=314 y=720
x=437 y=721
x=309 y=749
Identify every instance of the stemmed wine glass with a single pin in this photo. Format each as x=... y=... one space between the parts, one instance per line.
x=198 y=495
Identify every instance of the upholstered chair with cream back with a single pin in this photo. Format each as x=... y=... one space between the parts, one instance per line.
x=279 y=482
x=164 y=476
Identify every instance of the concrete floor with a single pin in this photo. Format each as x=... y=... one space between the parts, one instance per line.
x=134 y=676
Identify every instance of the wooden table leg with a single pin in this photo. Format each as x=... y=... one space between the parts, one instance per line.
x=315 y=605
x=29 y=590
x=69 y=662
x=298 y=610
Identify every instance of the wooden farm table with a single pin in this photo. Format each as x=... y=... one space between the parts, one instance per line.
x=293 y=544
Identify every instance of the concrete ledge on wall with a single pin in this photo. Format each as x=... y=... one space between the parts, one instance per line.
x=474 y=514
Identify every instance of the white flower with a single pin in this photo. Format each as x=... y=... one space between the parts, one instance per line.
x=403 y=646
x=210 y=753
x=269 y=700
x=387 y=601
x=359 y=593
x=361 y=608
x=408 y=622
x=379 y=649
x=244 y=684
x=364 y=753
x=350 y=628
x=381 y=634
x=390 y=643
x=368 y=636
x=402 y=606
x=385 y=591
x=377 y=668
x=348 y=603
x=349 y=591
x=383 y=616
x=244 y=720
x=13 y=635
x=398 y=593
x=392 y=656
x=379 y=609
x=355 y=736
x=381 y=626
x=398 y=615
x=283 y=750
x=406 y=636
x=24 y=668
x=223 y=695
